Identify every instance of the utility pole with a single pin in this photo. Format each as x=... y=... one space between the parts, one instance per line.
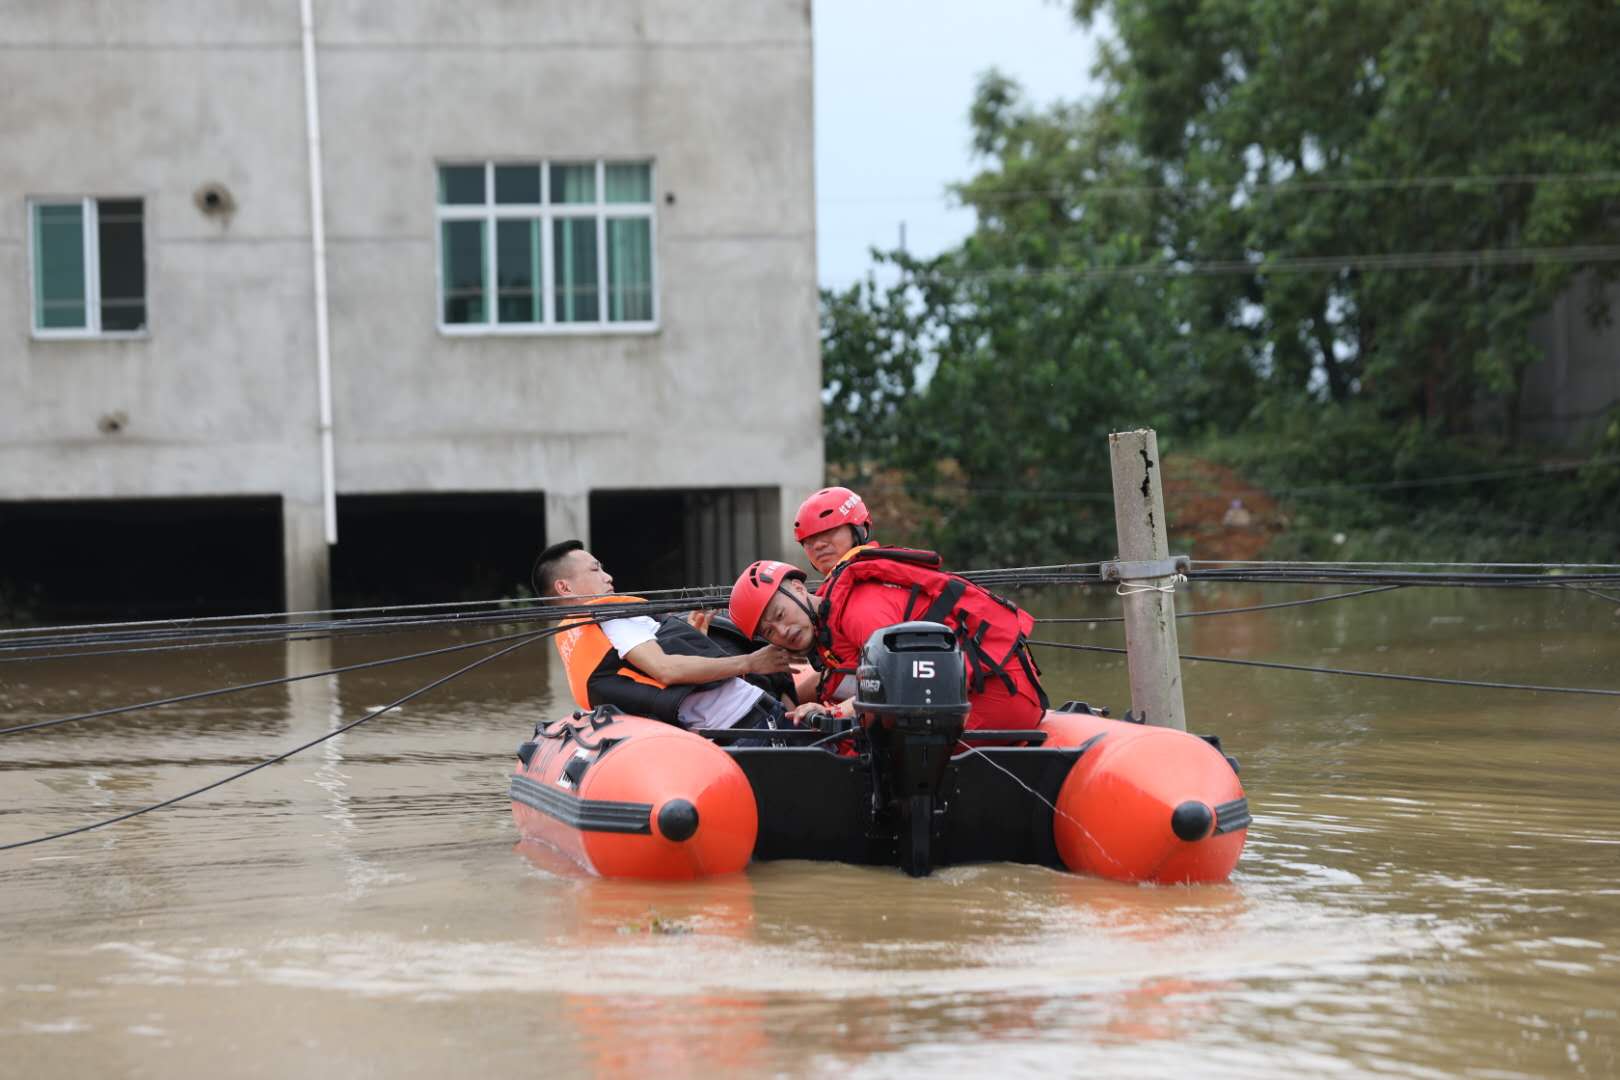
x=1147 y=575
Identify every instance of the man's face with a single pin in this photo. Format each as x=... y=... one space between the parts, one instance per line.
x=826 y=547
x=785 y=623
x=583 y=576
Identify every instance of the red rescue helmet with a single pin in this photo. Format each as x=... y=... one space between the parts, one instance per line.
x=754 y=590
x=830 y=508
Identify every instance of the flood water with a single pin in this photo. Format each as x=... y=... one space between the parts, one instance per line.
x=1431 y=885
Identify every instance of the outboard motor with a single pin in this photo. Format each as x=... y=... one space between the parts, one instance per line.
x=912 y=702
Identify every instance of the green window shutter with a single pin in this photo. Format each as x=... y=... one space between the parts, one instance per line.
x=59 y=282
x=629 y=268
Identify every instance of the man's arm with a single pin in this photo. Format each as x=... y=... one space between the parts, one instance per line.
x=673 y=670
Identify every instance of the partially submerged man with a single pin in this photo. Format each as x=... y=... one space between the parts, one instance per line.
x=668 y=670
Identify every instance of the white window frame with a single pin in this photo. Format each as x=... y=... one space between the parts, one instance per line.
x=92 y=271
x=490 y=213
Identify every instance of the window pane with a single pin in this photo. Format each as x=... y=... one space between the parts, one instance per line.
x=59 y=266
x=463 y=271
x=517 y=270
x=123 y=265
x=517 y=183
x=629 y=268
x=573 y=248
x=461 y=185
x=573 y=183
x=628 y=183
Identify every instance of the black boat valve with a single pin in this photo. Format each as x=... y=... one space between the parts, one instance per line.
x=911 y=699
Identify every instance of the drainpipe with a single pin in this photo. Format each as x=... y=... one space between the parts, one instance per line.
x=317 y=228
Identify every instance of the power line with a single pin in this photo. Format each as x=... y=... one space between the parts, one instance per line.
x=1290 y=186
x=418 y=692
x=1346 y=671
x=200 y=695
x=1540 y=469
x=1231 y=611
x=1300 y=264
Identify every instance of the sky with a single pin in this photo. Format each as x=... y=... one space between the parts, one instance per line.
x=893 y=82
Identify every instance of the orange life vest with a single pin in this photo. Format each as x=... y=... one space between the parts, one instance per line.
x=598 y=675
x=582 y=648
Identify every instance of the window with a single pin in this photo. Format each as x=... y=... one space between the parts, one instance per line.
x=546 y=246
x=89 y=259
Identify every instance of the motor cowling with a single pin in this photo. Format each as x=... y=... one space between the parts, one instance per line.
x=912 y=675
x=911 y=700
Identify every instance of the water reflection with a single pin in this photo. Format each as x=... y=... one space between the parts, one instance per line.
x=1432 y=884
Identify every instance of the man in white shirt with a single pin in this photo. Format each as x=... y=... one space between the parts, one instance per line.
x=669 y=670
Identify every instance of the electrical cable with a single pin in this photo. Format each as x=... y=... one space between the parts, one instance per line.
x=1346 y=671
x=418 y=692
x=270 y=631
x=1594 y=592
x=1290 y=186
x=1281 y=492
x=1230 y=611
x=200 y=695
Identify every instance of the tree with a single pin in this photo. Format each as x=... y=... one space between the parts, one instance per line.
x=1404 y=180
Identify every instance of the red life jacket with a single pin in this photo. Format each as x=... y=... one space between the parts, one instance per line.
x=992 y=631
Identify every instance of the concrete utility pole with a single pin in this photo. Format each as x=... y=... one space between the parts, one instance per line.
x=1147 y=576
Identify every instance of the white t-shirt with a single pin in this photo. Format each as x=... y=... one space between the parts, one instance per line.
x=718 y=708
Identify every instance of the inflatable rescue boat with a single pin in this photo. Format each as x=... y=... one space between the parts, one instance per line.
x=625 y=796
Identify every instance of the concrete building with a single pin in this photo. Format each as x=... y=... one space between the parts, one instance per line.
x=569 y=281
x=1572 y=393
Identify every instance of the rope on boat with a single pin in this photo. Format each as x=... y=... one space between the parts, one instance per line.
x=418 y=692
x=1346 y=671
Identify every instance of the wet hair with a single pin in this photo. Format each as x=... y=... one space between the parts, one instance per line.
x=548 y=567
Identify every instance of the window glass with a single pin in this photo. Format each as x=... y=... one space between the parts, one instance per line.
x=461 y=185
x=59 y=266
x=517 y=184
x=629 y=269
x=574 y=250
x=573 y=183
x=517 y=270
x=627 y=183
x=463 y=243
x=123 y=264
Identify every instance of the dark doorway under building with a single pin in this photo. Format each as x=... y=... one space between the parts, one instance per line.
x=86 y=560
x=423 y=549
x=669 y=539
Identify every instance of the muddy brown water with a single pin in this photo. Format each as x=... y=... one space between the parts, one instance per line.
x=1431 y=885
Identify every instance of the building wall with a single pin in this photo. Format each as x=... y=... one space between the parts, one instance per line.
x=1569 y=395
x=156 y=99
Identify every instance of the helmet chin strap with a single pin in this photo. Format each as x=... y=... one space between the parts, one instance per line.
x=815 y=621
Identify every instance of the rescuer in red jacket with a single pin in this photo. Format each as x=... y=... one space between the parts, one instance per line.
x=830 y=524
x=882 y=586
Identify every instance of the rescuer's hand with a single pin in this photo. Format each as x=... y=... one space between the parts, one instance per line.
x=803 y=715
x=771 y=660
x=700 y=620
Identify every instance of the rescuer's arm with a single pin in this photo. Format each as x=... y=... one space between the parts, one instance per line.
x=675 y=670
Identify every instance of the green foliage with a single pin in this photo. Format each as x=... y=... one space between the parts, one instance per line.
x=871 y=350
x=1357 y=488
x=1325 y=224
x=1385 y=138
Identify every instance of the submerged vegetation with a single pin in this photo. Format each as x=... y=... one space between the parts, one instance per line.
x=1306 y=243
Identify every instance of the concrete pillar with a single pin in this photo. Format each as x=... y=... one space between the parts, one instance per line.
x=745 y=532
x=568 y=517
x=306 y=569
x=776 y=531
x=706 y=505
